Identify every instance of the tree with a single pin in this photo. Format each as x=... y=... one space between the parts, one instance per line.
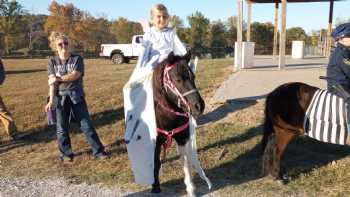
x=295 y=33
x=85 y=31
x=199 y=26
x=217 y=39
x=177 y=23
x=312 y=39
x=11 y=16
x=231 y=33
x=124 y=30
x=36 y=36
x=262 y=35
x=92 y=32
x=64 y=18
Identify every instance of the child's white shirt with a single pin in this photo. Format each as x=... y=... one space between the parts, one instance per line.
x=157 y=45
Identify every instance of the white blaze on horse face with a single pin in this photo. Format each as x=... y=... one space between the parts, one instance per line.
x=193 y=65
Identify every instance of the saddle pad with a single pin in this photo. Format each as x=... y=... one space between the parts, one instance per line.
x=325 y=118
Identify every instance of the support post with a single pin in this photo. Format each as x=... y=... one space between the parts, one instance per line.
x=282 y=51
x=275 y=31
x=249 y=17
x=329 y=31
x=238 y=60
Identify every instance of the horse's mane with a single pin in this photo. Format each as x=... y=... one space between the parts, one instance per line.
x=159 y=71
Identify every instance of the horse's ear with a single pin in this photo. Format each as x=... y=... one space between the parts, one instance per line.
x=188 y=56
x=171 y=58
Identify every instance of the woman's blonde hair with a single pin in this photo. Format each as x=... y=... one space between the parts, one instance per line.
x=161 y=8
x=54 y=36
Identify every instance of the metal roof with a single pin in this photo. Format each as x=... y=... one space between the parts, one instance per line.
x=290 y=1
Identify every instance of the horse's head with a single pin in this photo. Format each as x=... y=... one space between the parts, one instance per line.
x=178 y=81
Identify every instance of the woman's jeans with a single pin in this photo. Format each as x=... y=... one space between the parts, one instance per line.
x=81 y=115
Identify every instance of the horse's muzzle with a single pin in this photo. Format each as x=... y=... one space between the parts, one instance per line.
x=198 y=108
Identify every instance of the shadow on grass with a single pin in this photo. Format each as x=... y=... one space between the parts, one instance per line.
x=42 y=134
x=107 y=117
x=9 y=72
x=114 y=149
x=303 y=155
x=244 y=168
x=228 y=107
x=46 y=133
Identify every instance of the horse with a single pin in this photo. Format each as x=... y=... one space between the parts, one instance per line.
x=285 y=111
x=175 y=99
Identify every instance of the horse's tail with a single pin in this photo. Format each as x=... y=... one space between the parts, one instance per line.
x=268 y=124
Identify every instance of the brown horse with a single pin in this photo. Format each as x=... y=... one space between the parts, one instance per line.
x=285 y=110
x=176 y=97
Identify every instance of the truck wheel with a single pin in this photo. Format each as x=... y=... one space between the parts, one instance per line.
x=117 y=58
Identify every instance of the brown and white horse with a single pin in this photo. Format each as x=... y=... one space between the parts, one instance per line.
x=176 y=98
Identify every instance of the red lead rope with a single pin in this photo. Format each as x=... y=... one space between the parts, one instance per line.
x=169 y=135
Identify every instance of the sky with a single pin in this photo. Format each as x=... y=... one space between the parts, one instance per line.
x=309 y=16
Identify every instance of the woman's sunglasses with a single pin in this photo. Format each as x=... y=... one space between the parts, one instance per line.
x=62 y=43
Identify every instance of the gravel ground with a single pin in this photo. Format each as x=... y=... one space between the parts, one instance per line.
x=23 y=187
x=10 y=187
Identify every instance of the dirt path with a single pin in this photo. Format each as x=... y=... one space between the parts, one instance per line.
x=11 y=187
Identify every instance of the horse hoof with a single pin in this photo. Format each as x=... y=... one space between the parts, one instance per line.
x=192 y=194
x=156 y=190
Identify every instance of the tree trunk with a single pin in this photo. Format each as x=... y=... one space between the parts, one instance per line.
x=6 y=44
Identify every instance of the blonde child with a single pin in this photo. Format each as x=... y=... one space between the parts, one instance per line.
x=158 y=42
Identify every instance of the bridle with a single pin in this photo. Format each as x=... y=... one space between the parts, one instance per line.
x=168 y=85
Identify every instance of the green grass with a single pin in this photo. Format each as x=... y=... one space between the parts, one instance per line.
x=315 y=169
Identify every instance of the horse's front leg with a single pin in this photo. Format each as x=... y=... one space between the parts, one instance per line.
x=190 y=188
x=157 y=165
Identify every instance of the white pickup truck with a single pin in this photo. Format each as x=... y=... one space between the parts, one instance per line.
x=122 y=53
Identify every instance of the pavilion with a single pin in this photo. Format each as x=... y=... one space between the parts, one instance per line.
x=282 y=41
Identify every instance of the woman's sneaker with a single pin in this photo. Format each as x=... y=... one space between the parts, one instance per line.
x=102 y=156
x=67 y=159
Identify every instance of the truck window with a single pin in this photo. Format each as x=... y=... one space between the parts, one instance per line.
x=139 y=39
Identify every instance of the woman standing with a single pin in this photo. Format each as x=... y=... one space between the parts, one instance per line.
x=66 y=71
x=5 y=115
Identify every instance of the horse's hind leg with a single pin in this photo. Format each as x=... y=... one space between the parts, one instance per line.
x=157 y=165
x=283 y=137
x=190 y=188
x=269 y=155
x=274 y=150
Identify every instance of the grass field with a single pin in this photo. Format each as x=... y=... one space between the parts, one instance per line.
x=314 y=169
